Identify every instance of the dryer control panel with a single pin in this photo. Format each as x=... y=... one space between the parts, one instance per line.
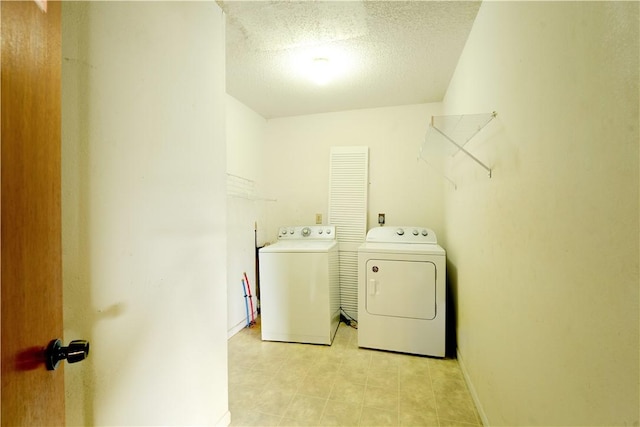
x=402 y=234
x=311 y=232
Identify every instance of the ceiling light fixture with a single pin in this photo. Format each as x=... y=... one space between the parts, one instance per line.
x=320 y=71
x=320 y=65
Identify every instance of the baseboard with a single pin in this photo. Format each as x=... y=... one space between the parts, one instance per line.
x=225 y=420
x=239 y=326
x=472 y=389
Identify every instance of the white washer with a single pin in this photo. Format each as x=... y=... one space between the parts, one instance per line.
x=299 y=286
x=402 y=291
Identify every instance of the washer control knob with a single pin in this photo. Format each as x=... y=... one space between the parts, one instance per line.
x=283 y=231
x=306 y=232
x=424 y=233
x=291 y=231
x=415 y=232
x=328 y=231
x=320 y=231
x=399 y=231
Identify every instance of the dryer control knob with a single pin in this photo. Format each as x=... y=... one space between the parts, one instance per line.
x=399 y=231
x=424 y=232
x=306 y=231
x=328 y=231
x=415 y=232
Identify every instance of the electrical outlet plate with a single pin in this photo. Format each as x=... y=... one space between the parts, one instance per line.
x=381 y=218
x=318 y=218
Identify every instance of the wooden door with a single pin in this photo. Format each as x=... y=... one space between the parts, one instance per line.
x=31 y=273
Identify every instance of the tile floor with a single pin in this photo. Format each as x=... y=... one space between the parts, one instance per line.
x=286 y=384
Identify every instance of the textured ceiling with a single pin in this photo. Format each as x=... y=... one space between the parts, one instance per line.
x=385 y=52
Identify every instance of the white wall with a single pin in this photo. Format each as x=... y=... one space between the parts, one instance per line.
x=544 y=255
x=144 y=212
x=245 y=205
x=297 y=165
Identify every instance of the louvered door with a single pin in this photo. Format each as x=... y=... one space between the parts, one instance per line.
x=348 y=202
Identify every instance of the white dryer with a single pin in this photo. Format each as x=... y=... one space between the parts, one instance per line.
x=299 y=285
x=402 y=291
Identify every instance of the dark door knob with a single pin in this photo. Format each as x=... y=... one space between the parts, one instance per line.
x=77 y=351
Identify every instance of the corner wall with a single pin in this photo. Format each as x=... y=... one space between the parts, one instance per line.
x=544 y=255
x=246 y=203
x=144 y=212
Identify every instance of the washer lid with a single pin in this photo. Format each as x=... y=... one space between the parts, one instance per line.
x=300 y=246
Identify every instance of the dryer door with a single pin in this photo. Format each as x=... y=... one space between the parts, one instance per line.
x=401 y=288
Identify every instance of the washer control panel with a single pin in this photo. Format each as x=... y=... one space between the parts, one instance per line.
x=314 y=232
x=402 y=234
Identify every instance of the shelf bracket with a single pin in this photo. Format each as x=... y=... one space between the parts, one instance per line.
x=457 y=130
x=461 y=148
